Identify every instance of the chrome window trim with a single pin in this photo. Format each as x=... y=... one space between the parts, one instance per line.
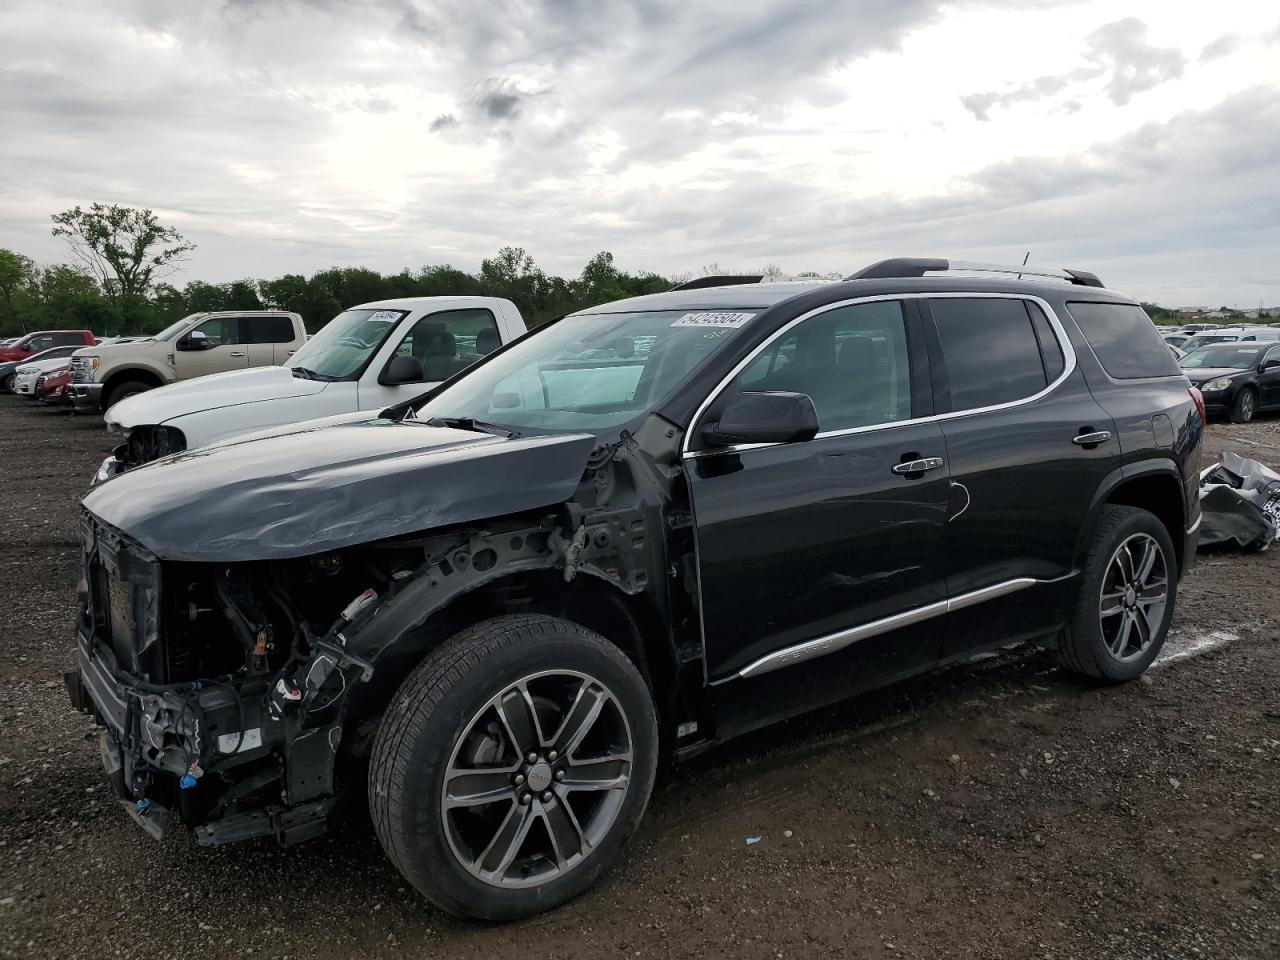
x=832 y=642
x=1059 y=331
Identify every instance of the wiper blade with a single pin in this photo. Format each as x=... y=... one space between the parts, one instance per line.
x=306 y=373
x=470 y=423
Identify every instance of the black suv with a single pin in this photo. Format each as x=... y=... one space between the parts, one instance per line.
x=631 y=534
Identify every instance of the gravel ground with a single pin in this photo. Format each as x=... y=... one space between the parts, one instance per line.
x=999 y=809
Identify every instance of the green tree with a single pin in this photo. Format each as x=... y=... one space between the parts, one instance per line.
x=125 y=249
x=15 y=274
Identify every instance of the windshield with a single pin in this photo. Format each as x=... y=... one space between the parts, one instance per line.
x=1229 y=355
x=173 y=329
x=588 y=372
x=1204 y=339
x=344 y=345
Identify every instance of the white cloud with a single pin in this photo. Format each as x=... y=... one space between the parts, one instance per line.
x=289 y=136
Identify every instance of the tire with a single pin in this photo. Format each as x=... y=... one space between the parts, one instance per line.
x=1093 y=644
x=123 y=391
x=6 y=385
x=446 y=718
x=1245 y=407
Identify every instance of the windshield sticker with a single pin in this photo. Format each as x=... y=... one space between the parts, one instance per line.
x=384 y=316
x=725 y=321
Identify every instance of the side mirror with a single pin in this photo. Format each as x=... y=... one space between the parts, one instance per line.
x=775 y=417
x=402 y=370
x=1269 y=365
x=195 y=340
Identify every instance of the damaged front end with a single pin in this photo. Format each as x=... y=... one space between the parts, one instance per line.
x=220 y=702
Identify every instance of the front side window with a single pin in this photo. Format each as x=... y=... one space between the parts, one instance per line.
x=851 y=361
x=589 y=371
x=344 y=345
x=39 y=343
x=450 y=341
x=990 y=351
x=221 y=331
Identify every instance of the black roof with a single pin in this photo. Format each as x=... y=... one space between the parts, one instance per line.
x=760 y=296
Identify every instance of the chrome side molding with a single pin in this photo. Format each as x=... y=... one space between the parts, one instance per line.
x=821 y=646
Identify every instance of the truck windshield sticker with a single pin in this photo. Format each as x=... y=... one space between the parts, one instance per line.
x=384 y=316
x=725 y=321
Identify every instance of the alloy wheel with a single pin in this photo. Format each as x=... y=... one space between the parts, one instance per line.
x=1246 y=406
x=536 y=779
x=1135 y=590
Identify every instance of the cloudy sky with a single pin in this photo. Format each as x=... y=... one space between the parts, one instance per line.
x=1137 y=139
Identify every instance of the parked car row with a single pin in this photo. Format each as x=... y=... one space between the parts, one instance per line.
x=499 y=583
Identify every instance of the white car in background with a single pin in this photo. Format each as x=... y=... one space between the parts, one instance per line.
x=367 y=358
x=25 y=377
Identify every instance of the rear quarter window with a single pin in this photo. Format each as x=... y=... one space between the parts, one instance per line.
x=1124 y=339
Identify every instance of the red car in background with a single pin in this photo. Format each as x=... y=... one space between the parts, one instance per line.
x=52 y=387
x=32 y=343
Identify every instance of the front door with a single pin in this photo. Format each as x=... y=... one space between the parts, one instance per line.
x=213 y=347
x=812 y=548
x=445 y=342
x=1269 y=379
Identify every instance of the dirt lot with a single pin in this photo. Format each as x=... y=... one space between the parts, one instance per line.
x=998 y=810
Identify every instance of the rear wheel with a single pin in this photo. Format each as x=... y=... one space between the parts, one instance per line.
x=125 y=390
x=1246 y=405
x=1126 y=597
x=512 y=766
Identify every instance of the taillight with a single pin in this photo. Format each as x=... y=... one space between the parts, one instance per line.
x=1198 y=399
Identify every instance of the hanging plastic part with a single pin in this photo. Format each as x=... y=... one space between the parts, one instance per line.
x=359 y=605
x=191 y=777
x=144 y=805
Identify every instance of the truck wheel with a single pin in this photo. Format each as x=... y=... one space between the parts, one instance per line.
x=1126 y=597
x=512 y=766
x=125 y=390
x=1246 y=404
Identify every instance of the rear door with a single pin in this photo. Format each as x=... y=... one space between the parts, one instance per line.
x=264 y=338
x=1028 y=447
x=826 y=548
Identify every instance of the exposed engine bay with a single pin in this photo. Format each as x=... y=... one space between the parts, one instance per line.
x=237 y=696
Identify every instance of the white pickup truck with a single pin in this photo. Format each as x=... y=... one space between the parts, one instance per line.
x=366 y=358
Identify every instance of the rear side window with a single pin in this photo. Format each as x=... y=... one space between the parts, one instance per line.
x=1050 y=348
x=1125 y=340
x=989 y=349
x=266 y=329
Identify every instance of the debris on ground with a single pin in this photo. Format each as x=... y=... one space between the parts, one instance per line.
x=1240 y=503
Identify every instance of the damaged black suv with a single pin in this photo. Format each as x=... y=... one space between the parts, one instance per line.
x=629 y=535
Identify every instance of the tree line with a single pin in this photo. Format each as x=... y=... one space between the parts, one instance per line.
x=122 y=259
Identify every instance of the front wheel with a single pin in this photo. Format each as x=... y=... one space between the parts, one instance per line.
x=1126 y=597
x=512 y=766
x=1246 y=405
x=6 y=385
x=125 y=390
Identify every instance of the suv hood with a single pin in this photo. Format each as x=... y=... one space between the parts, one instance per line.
x=218 y=390
x=315 y=489
x=42 y=365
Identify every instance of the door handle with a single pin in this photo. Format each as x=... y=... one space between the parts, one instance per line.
x=1091 y=439
x=236 y=353
x=917 y=466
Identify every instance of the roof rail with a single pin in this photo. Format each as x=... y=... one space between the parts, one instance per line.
x=726 y=280
x=919 y=266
